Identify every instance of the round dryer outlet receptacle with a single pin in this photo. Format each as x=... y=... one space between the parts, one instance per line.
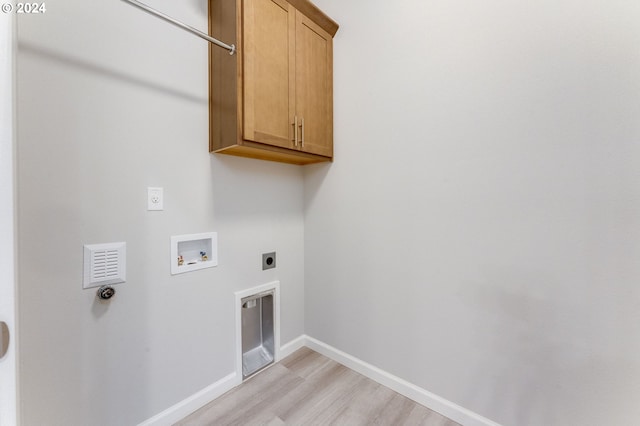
x=269 y=260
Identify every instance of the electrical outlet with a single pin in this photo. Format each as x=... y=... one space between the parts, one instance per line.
x=155 y=199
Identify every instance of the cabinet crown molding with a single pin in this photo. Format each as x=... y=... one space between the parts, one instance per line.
x=316 y=15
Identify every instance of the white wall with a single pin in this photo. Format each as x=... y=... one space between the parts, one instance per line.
x=7 y=205
x=479 y=231
x=111 y=101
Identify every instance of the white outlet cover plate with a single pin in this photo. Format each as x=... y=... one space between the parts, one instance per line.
x=155 y=198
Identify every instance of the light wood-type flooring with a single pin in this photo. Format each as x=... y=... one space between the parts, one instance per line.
x=307 y=388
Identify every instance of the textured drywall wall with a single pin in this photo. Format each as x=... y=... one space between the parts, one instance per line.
x=478 y=233
x=111 y=101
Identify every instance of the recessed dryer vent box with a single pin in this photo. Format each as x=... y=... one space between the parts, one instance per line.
x=193 y=252
x=257 y=332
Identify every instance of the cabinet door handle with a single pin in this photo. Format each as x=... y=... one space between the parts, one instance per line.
x=302 y=128
x=295 y=131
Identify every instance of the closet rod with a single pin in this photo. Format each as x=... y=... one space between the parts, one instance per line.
x=136 y=3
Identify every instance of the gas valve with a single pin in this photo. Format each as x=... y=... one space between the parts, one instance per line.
x=106 y=292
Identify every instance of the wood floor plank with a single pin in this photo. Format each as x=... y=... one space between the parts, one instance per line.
x=421 y=415
x=395 y=412
x=239 y=405
x=308 y=388
x=323 y=397
x=276 y=421
x=363 y=404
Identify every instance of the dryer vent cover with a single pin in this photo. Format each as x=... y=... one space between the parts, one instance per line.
x=104 y=264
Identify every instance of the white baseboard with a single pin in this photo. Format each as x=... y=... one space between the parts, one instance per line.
x=421 y=396
x=411 y=391
x=289 y=348
x=198 y=400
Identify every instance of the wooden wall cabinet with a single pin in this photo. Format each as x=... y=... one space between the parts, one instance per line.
x=273 y=100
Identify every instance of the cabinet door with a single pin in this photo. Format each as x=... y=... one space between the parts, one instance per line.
x=269 y=69
x=314 y=86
